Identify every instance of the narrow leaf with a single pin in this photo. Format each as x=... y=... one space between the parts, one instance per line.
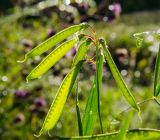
x=136 y=134
x=99 y=70
x=80 y=128
x=157 y=75
x=82 y=50
x=92 y=107
x=125 y=126
x=51 y=59
x=52 y=41
x=78 y=113
x=90 y=113
x=117 y=76
x=60 y=99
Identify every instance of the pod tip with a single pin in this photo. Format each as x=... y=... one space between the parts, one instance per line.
x=27 y=80
x=37 y=135
x=85 y=25
x=21 y=61
x=49 y=134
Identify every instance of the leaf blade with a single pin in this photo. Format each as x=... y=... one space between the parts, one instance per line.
x=125 y=125
x=90 y=113
x=79 y=121
x=93 y=104
x=157 y=75
x=82 y=50
x=99 y=71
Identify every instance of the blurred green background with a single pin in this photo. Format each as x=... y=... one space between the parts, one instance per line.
x=26 y=23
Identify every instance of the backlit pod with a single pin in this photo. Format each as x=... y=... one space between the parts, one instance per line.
x=60 y=99
x=51 y=59
x=117 y=76
x=52 y=41
x=64 y=90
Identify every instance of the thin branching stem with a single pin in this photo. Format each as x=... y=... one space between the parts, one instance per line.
x=156 y=100
x=90 y=37
x=92 y=30
x=141 y=103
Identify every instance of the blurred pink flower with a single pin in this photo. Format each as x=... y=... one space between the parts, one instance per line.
x=71 y=53
x=116 y=9
x=21 y=93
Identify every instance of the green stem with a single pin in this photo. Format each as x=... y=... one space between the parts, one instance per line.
x=98 y=90
x=90 y=37
x=156 y=100
x=113 y=135
x=80 y=130
x=139 y=103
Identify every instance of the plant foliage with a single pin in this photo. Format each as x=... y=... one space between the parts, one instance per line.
x=92 y=109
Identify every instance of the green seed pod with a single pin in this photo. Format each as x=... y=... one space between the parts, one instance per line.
x=60 y=99
x=52 y=41
x=117 y=76
x=51 y=59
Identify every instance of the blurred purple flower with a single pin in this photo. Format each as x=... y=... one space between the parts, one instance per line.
x=21 y=93
x=19 y=118
x=71 y=53
x=38 y=105
x=116 y=9
x=50 y=32
x=40 y=102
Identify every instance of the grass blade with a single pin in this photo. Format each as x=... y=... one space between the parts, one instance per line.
x=99 y=70
x=125 y=125
x=51 y=59
x=136 y=134
x=82 y=50
x=78 y=113
x=80 y=128
x=60 y=99
x=90 y=113
x=52 y=41
x=157 y=75
x=92 y=107
x=117 y=76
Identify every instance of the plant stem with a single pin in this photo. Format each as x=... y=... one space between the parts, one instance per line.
x=78 y=112
x=98 y=90
x=139 y=103
x=90 y=37
x=92 y=30
x=156 y=100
